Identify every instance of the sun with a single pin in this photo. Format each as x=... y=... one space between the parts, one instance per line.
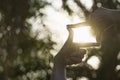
x=83 y=35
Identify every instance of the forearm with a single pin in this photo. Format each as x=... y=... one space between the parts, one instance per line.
x=59 y=72
x=68 y=55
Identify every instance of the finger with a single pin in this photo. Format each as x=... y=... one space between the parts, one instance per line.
x=80 y=52
x=70 y=38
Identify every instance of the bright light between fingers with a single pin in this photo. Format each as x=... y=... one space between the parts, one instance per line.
x=83 y=35
x=94 y=62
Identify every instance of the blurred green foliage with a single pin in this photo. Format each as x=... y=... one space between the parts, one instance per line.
x=18 y=50
x=23 y=57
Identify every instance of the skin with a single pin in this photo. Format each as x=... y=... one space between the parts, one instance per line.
x=68 y=55
x=104 y=19
x=71 y=53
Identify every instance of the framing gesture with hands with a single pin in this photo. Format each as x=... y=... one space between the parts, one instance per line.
x=68 y=55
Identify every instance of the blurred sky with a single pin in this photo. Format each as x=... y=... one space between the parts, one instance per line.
x=56 y=20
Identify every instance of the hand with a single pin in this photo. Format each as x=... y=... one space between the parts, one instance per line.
x=70 y=53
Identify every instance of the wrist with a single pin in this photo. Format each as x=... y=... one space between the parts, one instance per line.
x=59 y=62
x=59 y=72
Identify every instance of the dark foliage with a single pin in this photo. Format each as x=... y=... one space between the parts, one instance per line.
x=16 y=44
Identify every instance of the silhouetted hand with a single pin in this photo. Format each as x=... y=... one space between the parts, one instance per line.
x=70 y=53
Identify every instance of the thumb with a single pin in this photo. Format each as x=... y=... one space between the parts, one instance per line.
x=70 y=37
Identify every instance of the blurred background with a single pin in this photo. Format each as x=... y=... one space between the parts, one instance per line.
x=33 y=31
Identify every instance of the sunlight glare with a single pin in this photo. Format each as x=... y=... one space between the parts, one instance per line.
x=94 y=62
x=83 y=35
